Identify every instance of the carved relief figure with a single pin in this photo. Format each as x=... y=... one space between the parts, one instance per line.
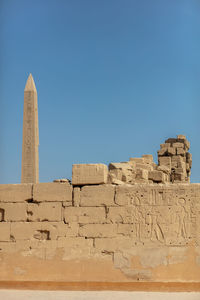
x=181 y=215
x=156 y=230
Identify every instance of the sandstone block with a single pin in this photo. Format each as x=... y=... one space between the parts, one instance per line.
x=164 y=169
x=178 y=145
x=122 y=171
x=142 y=174
x=23 y=230
x=140 y=160
x=8 y=247
x=33 y=230
x=176 y=161
x=64 y=230
x=127 y=230
x=15 y=192
x=188 y=157
x=121 y=215
x=102 y=195
x=13 y=212
x=166 y=145
x=52 y=191
x=156 y=176
x=171 y=140
x=148 y=158
x=180 y=151
x=181 y=136
x=180 y=171
x=145 y=166
x=165 y=161
x=4 y=232
x=171 y=151
x=179 y=177
x=98 y=230
x=85 y=215
x=113 y=244
x=78 y=242
x=44 y=211
x=162 y=151
x=83 y=174
x=122 y=196
x=76 y=196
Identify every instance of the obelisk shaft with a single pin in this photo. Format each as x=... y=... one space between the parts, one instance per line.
x=30 y=157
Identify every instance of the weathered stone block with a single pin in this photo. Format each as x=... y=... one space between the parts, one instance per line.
x=127 y=230
x=23 y=230
x=121 y=215
x=122 y=196
x=52 y=191
x=164 y=169
x=171 y=140
x=83 y=174
x=176 y=160
x=77 y=242
x=15 y=192
x=98 y=230
x=171 y=151
x=157 y=176
x=13 y=212
x=4 y=232
x=178 y=145
x=76 y=196
x=180 y=151
x=44 y=211
x=181 y=136
x=140 y=160
x=33 y=230
x=166 y=145
x=113 y=244
x=145 y=166
x=180 y=171
x=7 y=247
x=142 y=174
x=102 y=195
x=122 y=171
x=179 y=177
x=65 y=230
x=148 y=158
x=162 y=151
x=85 y=215
x=165 y=161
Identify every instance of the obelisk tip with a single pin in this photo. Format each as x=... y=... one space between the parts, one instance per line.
x=30 y=84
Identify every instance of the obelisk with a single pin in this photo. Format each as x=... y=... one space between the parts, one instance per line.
x=30 y=157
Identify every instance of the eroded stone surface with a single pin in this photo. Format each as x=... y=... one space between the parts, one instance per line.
x=52 y=191
x=83 y=174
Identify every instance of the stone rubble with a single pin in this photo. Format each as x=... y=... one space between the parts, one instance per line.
x=174 y=165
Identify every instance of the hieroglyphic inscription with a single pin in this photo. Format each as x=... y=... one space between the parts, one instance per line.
x=28 y=138
x=30 y=168
x=169 y=216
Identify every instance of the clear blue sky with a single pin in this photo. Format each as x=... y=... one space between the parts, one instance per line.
x=115 y=78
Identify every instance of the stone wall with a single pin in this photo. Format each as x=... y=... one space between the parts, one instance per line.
x=100 y=232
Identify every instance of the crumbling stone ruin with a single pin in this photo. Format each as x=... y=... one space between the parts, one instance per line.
x=174 y=165
x=175 y=160
x=132 y=221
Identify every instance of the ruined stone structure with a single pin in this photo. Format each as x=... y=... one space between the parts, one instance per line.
x=174 y=165
x=134 y=221
x=30 y=157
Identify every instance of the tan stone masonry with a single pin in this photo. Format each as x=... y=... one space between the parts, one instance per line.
x=141 y=232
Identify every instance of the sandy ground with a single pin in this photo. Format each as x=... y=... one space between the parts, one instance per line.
x=66 y=295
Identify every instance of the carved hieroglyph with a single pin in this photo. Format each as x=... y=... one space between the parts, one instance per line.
x=30 y=158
